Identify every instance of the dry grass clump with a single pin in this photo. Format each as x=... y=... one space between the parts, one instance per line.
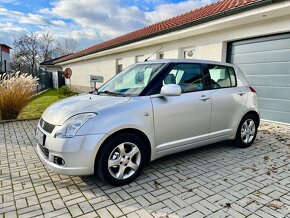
x=15 y=92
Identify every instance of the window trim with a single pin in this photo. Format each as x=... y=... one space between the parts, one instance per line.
x=137 y=58
x=119 y=62
x=220 y=65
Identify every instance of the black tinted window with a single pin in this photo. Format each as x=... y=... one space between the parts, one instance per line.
x=222 y=76
x=188 y=76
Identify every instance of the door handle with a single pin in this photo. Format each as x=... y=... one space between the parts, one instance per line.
x=241 y=93
x=204 y=98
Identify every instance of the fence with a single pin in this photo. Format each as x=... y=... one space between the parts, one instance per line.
x=45 y=80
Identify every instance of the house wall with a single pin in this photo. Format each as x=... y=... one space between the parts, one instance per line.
x=5 y=56
x=211 y=45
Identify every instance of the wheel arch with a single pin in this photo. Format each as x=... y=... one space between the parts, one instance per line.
x=253 y=113
x=137 y=132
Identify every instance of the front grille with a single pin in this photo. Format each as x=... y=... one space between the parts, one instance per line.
x=46 y=126
x=44 y=150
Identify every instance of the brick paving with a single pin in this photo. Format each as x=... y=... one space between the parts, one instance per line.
x=214 y=181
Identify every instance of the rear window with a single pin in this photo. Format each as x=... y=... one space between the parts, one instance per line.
x=222 y=76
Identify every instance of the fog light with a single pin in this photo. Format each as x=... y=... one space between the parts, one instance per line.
x=58 y=160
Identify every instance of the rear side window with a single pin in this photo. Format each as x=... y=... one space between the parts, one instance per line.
x=222 y=76
x=188 y=76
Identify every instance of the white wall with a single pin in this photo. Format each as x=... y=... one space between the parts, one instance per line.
x=5 y=56
x=211 y=46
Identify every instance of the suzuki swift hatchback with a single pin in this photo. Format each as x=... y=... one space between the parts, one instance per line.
x=149 y=110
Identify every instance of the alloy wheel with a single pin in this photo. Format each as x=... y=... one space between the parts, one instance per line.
x=248 y=131
x=124 y=160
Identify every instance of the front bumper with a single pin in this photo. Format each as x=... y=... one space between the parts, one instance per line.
x=78 y=153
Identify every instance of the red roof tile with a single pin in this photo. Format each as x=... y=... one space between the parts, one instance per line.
x=158 y=28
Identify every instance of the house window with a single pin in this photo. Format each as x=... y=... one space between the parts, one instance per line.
x=160 y=55
x=189 y=53
x=119 y=66
x=139 y=58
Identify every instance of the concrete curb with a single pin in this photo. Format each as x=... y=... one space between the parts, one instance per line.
x=17 y=120
x=39 y=93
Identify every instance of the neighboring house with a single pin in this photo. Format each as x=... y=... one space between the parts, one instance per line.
x=58 y=79
x=254 y=34
x=4 y=58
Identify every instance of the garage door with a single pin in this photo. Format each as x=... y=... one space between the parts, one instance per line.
x=266 y=63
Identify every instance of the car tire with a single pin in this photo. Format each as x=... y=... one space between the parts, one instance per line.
x=247 y=131
x=121 y=159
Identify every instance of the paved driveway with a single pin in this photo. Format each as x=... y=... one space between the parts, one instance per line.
x=213 y=181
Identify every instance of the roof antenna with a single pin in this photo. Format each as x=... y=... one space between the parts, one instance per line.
x=153 y=53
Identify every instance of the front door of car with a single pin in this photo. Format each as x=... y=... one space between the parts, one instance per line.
x=181 y=122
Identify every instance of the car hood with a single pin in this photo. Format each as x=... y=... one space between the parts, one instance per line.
x=60 y=111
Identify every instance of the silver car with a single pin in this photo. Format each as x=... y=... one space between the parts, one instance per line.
x=147 y=111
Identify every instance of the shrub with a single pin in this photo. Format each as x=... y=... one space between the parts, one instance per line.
x=65 y=91
x=15 y=92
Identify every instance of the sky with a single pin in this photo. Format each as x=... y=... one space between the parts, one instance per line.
x=87 y=21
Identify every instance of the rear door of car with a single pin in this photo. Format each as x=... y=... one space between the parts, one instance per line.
x=228 y=101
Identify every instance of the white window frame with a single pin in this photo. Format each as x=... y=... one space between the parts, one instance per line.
x=118 y=63
x=158 y=55
x=187 y=51
x=139 y=58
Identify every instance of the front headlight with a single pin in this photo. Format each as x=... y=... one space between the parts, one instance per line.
x=71 y=126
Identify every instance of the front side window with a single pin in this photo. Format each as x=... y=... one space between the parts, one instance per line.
x=132 y=81
x=222 y=76
x=187 y=76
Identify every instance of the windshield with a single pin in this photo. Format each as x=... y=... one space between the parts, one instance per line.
x=131 y=81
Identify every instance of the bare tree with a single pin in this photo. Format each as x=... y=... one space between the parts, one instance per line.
x=65 y=46
x=31 y=49
x=47 y=46
x=27 y=50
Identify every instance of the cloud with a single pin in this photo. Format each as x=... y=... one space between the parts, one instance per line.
x=113 y=18
x=107 y=16
x=165 y=11
x=90 y=22
x=29 y=18
x=8 y=32
x=9 y=27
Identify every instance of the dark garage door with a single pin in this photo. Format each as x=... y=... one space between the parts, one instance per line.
x=266 y=63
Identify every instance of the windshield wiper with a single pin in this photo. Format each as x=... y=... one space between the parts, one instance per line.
x=112 y=93
x=95 y=92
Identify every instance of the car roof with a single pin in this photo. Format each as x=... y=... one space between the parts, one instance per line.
x=165 y=61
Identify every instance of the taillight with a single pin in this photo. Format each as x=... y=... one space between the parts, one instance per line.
x=252 y=89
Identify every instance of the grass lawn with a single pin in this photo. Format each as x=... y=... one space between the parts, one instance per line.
x=39 y=103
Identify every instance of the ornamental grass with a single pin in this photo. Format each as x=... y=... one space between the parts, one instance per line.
x=16 y=90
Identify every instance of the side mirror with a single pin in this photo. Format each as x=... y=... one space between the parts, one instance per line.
x=170 y=90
